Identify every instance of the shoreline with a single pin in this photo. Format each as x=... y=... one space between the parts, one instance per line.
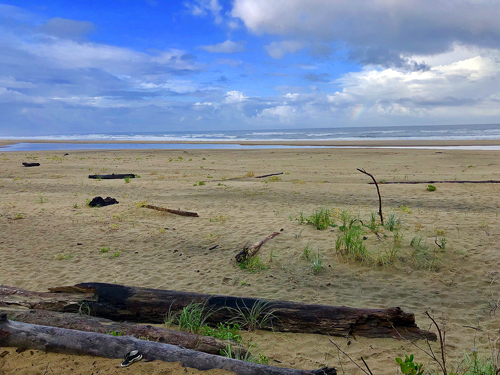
x=326 y=143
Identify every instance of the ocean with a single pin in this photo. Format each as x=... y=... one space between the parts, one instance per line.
x=218 y=138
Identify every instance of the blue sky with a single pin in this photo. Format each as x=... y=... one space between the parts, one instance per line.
x=155 y=65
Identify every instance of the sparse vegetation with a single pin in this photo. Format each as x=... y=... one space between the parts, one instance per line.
x=431 y=188
x=252 y=265
x=63 y=256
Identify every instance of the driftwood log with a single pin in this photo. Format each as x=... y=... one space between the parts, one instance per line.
x=101 y=202
x=60 y=340
x=89 y=323
x=118 y=302
x=113 y=176
x=176 y=212
x=249 y=252
x=31 y=164
x=440 y=182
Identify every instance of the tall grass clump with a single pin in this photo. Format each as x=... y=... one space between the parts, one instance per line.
x=393 y=223
x=349 y=243
x=423 y=257
x=193 y=317
x=321 y=219
x=388 y=257
x=315 y=259
x=258 y=315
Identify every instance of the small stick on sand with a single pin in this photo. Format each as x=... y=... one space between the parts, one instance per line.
x=268 y=175
x=176 y=212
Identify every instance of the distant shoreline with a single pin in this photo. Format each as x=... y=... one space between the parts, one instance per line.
x=310 y=143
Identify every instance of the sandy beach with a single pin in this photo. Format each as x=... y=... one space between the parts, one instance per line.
x=49 y=237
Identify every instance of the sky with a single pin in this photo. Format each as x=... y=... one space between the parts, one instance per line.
x=93 y=66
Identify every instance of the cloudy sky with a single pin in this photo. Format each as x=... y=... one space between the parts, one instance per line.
x=74 y=66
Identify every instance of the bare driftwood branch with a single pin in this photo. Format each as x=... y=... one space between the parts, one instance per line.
x=70 y=341
x=113 y=176
x=252 y=250
x=269 y=175
x=176 y=212
x=439 y=182
x=241 y=177
x=378 y=192
x=89 y=323
x=119 y=303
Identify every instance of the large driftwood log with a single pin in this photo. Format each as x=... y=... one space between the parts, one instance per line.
x=70 y=300
x=31 y=164
x=249 y=252
x=89 y=323
x=118 y=302
x=113 y=176
x=176 y=212
x=77 y=342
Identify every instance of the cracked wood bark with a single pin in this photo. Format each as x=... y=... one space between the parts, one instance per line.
x=118 y=302
x=69 y=341
x=111 y=176
x=88 y=323
x=176 y=212
x=252 y=250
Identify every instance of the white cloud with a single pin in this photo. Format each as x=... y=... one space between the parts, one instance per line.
x=202 y=7
x=10 y=96
x=453 y=88
x=282 y=112
x=225 y=47
x=232 y=97
x=278 y=49
x=376 y=31
x=12 y=83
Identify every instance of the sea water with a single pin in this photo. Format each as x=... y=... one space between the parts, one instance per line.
x=219 y=139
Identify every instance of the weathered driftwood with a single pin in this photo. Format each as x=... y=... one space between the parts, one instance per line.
x=89 y=323
x=118 y=302
x=242 y=177
x=439 y=182
x=70 y=341
x=71 y=300
x=31 y=164
x=100 y=202
x=378 y=192
x=176 y=212
x=249 y=252
x=113 y=176
x=269 y=175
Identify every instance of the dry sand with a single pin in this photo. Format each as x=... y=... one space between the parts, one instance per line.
x=44 y=217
